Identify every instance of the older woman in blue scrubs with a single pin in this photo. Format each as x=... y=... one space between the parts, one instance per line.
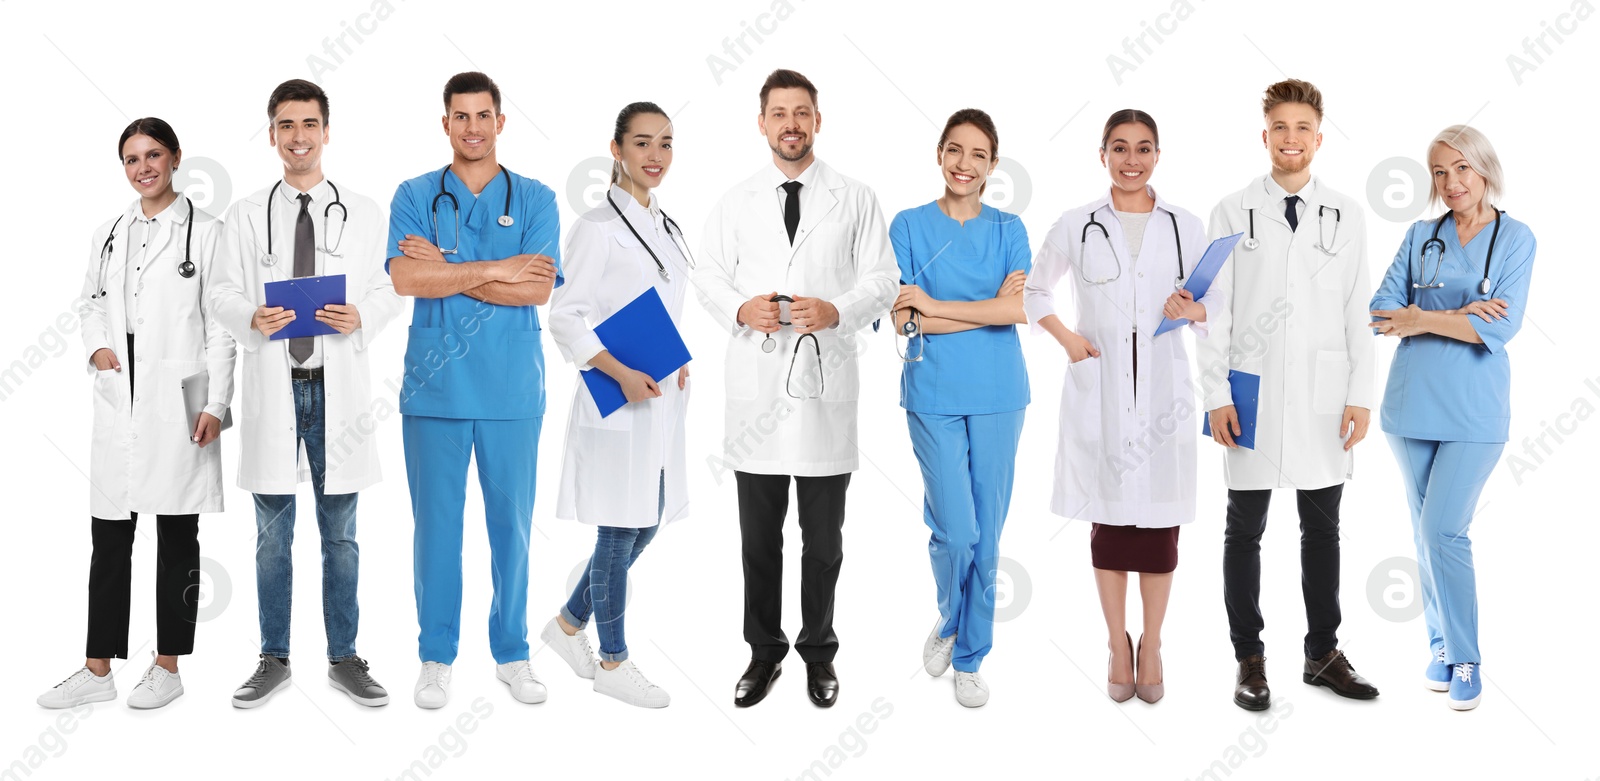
x=964 y=386
x=1455 y=295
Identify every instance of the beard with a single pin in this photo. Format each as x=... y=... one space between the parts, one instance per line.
x=1292 y=165
x=805 y=149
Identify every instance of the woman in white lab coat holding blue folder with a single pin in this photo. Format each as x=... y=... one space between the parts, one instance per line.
x=623 y=472
x=1126 y=457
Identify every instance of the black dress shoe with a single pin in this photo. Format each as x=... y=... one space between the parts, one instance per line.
x=1333 y=670
x=822 y=685
x=1252 y=693
x=753 y=685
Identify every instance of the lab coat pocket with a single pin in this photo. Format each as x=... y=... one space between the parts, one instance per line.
x=1331 y=382
x=169 y=393
x=589 y=414
x=110 y=390
x=742 y=360
x=836 y=369
x=828 y=244
x=1085 y=375
x=1331 y=275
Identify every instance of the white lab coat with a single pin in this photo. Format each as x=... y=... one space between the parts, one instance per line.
x=272 y=462
x=1126 y=453
x=612 y=472
x=1298 y=318
x=141 y=457
x=841 y=254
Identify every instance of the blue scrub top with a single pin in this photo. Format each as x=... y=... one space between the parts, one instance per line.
x=466 y=358
x=1444 y=389
x=976 y=372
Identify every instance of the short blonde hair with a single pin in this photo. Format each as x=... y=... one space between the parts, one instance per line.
x=1292 y=91
x=1474 y=146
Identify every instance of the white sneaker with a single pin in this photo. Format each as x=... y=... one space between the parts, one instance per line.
x=573 y=648
x=626 y=683
x=936 y=651
x=82 y=687
x=433 y=685
x=971 y=691
x=157 y=688
x=525 y=686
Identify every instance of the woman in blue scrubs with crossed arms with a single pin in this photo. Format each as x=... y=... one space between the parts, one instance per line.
x=964 y=386
x=1455 y=295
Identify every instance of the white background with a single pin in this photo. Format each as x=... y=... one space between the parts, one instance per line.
x=1393 y=75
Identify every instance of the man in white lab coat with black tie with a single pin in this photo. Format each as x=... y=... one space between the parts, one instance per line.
x=797 y=261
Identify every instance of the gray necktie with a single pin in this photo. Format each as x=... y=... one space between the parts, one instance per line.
x=305 y=265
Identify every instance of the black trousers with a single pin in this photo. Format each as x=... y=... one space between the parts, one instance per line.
x=111 y=583
x=763 y=503
x=1319 y=568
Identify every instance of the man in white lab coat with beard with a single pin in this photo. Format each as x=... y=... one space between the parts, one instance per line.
x=797 y=260
x=1297 y=318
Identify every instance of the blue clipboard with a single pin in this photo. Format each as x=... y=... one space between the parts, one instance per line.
x=305 y=295
x=642 y=337
x=1203 y=275
x=1246 y=390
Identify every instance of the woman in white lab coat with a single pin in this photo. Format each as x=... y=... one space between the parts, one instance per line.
x=147 y=333
x=1126 y=456
x=623 y=472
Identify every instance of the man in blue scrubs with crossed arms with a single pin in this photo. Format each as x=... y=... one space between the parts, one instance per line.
x=478 y=257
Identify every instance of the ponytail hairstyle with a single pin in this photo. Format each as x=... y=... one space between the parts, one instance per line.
x=980 y=120
x=157 y=129
x=625 y=118
x=1127 y=116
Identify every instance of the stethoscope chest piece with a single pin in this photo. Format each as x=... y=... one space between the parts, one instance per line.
x=506 y=221
x=186 y=269
x=769 y=344
x=269 y=259
x=1251 y=243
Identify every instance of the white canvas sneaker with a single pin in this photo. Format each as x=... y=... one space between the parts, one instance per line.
x=525 y=686
x=572 y=648
x=971 y=691
x=82 y=687
x=157 y=688
x=626 y=683
x=433 y=685
x=936 y=651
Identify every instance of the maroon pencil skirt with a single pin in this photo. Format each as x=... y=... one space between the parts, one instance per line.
x=1133 y=548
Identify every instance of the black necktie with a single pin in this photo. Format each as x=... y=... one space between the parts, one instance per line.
x=305 y=265
x=1289 y=212
x=791 y=209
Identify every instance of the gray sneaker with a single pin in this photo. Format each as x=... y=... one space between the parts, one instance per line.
x=351 y=677
x=270 y=676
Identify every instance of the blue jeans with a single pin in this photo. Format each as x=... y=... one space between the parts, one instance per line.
x=603 y=589
x=336 y=521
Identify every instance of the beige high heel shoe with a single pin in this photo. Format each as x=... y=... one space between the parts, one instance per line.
x=1120 y=692
x=1149 y=692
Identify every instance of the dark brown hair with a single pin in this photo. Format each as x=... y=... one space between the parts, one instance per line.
x=469 y=83
x=1126 y=116
x=157 y=129
x=783 y=79
x=1292 y=91
x=297 y=89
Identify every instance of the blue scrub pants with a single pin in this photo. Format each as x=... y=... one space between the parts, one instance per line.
x=1443 y=481
x=437 y=452
x=968 y=463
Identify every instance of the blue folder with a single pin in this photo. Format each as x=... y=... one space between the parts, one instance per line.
x=1202 y=276
x=642 y=337
x=305 y=295
x=1246 y=389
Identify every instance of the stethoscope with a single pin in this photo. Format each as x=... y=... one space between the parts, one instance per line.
x=1083 y=240
x=185 y=269
x=271 y=258
x=1251 y=242
x=911 y=330
x=769 y=344
x=1436 y=243
x=505 y=218
x=672 y=225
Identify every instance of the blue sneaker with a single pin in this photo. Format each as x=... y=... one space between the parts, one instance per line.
x=1466 y=686
x=1438 y=673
